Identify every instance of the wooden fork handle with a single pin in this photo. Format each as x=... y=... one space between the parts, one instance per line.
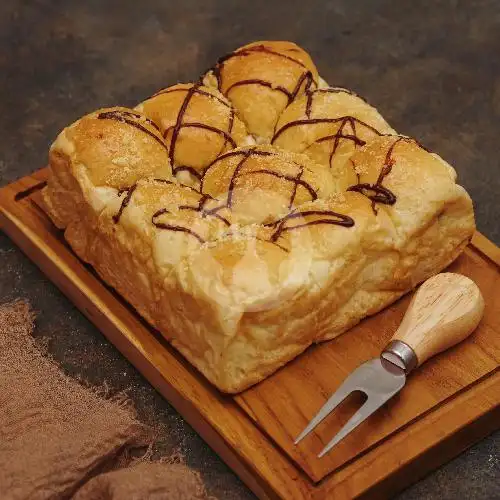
x=444 y=311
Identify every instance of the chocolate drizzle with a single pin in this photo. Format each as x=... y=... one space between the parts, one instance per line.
x=186 y=168
x=257 y=81
x=355 y=168
x=236 y=171
x=246 y=51
x=339 y=135
x=314 y=121
x=296 y=180
x=306 y=78
x=229 y=130
x=125 y=201
x=310 y=96
x=337 y=219
x=419 y=144
x=197 y=91
x=200 y=208
x=133 y=114
x=251 y=151
x=183 y=186
x=126 y=117
x=226 y=136
x=309 y=103
x=263 y=48
x=344 y=121
x=203 y=211
x=179 y=124
x=172 y=227
x=273 y=243
x=376 y=192
x=340 y=90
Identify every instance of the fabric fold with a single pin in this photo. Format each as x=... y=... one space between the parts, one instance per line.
x=57 y=436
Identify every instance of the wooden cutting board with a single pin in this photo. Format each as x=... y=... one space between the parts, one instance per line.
x=448 y=404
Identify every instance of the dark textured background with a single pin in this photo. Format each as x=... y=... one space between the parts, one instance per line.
x=432 y=69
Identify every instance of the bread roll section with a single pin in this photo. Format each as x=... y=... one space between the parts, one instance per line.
x=245 y=222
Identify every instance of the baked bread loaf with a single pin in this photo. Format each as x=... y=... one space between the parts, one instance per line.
x=253 y=214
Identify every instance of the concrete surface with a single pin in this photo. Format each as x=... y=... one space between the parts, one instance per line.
x=431 y=68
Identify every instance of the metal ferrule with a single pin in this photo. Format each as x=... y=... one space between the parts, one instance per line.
x=400 y=354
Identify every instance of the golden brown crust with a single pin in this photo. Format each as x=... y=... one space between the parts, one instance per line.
x=198 y=124
x=328 y=125
x=261 y=183
x=261 y=79
x=117 y=146
x=273 y=249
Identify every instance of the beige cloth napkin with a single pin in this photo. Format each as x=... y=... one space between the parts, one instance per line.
x=154 y=481
x=57 y=436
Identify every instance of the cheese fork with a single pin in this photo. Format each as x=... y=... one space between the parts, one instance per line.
x=444 y=311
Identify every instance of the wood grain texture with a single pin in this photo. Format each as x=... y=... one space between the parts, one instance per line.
x=449 y=403
x=444 y=311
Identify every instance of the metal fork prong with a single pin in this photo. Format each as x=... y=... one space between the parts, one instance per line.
x=371 y=405
x=337 y=397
